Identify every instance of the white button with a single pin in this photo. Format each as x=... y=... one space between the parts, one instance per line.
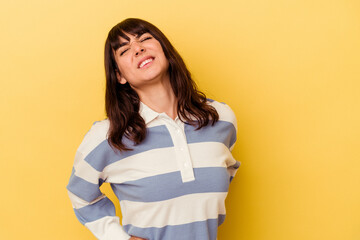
x=178 y=130
x=181 y=149
x=186 y=164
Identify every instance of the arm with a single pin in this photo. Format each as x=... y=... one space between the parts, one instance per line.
x=92 y=208
x=227 y=114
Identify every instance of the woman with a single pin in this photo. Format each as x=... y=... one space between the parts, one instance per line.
x=165 y=148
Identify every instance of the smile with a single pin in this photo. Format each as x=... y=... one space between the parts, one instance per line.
x=146 y=61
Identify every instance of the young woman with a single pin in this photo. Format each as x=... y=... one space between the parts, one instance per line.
x=165 y=148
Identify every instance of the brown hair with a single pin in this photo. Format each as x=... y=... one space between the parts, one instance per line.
x=122 y=103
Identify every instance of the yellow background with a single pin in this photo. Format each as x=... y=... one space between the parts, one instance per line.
x=289 y=69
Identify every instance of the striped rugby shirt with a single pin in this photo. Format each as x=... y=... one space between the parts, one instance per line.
x=172 y=186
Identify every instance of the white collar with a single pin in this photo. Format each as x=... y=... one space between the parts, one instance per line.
x=147 y=113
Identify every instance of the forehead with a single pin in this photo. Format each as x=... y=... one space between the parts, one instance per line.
x=125 y=37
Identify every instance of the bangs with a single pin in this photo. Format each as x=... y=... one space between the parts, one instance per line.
x=128 y=27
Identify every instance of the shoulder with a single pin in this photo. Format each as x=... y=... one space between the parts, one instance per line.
x=95 y=136
x=224 y=111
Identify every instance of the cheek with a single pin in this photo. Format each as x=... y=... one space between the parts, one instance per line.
x=123 y=66
x=161 y=53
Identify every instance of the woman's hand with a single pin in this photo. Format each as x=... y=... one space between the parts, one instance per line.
x=136 y=238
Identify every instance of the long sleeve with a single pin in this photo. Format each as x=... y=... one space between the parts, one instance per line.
x=226 y=114
x=92 y=208
x=234 y=165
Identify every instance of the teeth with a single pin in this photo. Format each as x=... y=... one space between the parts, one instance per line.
x=145 y=62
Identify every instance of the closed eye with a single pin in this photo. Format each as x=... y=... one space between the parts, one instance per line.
x=122 y=53
x=146 y=39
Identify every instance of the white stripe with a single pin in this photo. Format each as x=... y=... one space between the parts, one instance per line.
x=107 y=228
x=210 y=154
x=85 y=171
x=225 y=113
x=79 y=202
x=96 y=135
x=189 y=208
x=146 y=164
x=76 y=201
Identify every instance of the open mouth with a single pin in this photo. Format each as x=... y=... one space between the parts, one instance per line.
x=145 y=62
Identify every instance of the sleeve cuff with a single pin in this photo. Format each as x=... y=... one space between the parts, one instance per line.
x=108 y=228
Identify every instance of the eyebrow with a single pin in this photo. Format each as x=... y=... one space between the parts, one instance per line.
x=123 y=44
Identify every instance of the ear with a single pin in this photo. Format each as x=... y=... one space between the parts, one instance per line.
x=120 y=79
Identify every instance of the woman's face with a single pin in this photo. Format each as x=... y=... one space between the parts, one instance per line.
x=141 y=61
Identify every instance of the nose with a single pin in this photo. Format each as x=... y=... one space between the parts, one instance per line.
x=138 y=48
x=140 y=51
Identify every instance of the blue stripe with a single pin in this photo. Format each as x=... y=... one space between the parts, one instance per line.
x=201 y=230
x=103 y=154
x=222 y=131
x=84 y=189
x=170 y=185
x=93 y=212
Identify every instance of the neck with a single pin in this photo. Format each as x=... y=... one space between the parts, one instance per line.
x=160 y=97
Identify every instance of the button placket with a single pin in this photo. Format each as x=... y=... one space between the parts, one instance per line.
x=181 y=150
